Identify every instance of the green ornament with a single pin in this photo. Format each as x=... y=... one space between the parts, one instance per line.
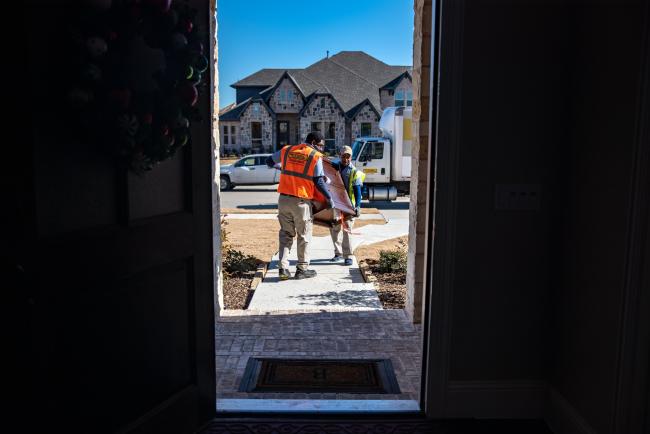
x=182 y=140
x=201 y=63
x=189 y=71
x=196 y=78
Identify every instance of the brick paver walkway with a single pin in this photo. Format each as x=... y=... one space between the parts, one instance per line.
x=313 y=334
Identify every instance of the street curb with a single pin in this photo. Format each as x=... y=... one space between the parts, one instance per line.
x=366 y=273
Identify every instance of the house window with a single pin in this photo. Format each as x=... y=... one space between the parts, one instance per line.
x=322 y=103
x=409 y=98
x=256 y=109
x=256 y=135
x=330 y=138
x=315 y=126
x=399 y=98
x=366 y=129
x=282 y=95
x=233 y=135
x=289 y=95
x=225 y=135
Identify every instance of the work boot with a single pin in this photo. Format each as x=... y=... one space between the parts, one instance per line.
x=348 y=261
x=304 y=274
x=284 y=274
x=336 y=258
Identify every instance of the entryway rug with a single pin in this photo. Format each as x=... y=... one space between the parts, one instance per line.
x=319 y=376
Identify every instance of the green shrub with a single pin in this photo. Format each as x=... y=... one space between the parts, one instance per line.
x=234 y=262
x=392 y=261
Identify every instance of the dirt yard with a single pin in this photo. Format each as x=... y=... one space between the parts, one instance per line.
x=391 y=287
x=259 y=238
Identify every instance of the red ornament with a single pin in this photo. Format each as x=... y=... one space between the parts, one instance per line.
x=120 y=97
x=165 y=130
x=188 y=93
x=188 y=25
x=147 y=118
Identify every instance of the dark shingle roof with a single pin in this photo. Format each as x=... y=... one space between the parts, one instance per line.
x=396 y=81
x=350 y=77
x=263 y=77
x=234 y=113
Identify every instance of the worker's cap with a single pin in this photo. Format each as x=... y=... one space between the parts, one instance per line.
x=346 y=150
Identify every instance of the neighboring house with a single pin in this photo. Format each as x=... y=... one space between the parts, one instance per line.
x=341 y=96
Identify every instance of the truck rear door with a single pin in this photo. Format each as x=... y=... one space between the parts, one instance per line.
x=374 y=160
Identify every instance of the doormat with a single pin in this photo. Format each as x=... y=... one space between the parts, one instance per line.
x=319 y=376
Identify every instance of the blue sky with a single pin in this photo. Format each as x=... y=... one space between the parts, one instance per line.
x=256 y=34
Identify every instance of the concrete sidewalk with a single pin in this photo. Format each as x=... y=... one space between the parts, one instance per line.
x=336 y=287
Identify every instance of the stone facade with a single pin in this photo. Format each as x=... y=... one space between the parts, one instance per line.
x=323 y=109
x=366 y=114
x=256 y=112
x=286 y=98
x=387 y=97
x=229 y=141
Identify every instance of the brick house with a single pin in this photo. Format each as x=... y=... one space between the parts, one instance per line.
x=341 y=96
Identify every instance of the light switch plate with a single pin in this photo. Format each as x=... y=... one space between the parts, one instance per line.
x=526 y=197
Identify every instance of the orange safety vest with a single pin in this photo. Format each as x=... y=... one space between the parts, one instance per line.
x=298 y=165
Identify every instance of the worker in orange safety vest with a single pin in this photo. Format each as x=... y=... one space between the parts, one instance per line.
x=301 y=176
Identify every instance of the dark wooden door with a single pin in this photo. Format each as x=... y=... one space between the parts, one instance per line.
x=110 y=274
x=283 y=134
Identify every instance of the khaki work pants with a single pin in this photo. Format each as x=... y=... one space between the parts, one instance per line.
x=295 y=219
x=342 y=247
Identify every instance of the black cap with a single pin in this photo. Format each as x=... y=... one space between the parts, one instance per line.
x=314 y=136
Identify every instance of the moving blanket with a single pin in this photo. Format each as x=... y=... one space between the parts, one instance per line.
x=342 y=206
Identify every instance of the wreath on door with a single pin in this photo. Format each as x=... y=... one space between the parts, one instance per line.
x=138 y=70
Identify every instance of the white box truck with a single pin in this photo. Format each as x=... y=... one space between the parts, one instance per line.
x=386 y=160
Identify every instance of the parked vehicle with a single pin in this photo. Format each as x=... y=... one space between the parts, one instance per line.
x=250 y=170
x=386 y=160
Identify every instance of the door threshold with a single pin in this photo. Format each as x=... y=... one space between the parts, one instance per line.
x=317 y=406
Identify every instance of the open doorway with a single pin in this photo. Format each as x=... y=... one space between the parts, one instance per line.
x=344 y=319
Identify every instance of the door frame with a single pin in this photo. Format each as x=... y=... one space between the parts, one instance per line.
x=444 y=140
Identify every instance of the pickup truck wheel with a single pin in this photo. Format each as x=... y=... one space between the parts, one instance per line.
x=225 y=183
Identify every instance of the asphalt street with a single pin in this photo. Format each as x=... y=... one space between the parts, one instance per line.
x=262 y=197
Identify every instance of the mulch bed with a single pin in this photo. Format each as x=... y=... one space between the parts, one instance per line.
x=391 y=287
x=236 y=291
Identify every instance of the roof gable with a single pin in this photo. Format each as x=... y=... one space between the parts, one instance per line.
x=355 y=110
x=235 y=113
x=350 y=77
x=395 y=82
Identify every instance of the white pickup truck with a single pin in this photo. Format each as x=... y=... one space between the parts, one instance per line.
x=251 y=169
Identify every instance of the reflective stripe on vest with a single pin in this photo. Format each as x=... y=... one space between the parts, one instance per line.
x=353 y=177
x=296 y=177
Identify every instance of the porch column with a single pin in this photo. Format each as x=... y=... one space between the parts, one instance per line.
x=419 y=176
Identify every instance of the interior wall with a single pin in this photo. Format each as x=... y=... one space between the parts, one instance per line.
x=512 y=129
x=604 y=45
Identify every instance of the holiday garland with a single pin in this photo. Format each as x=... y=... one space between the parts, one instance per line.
x=138 y=67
